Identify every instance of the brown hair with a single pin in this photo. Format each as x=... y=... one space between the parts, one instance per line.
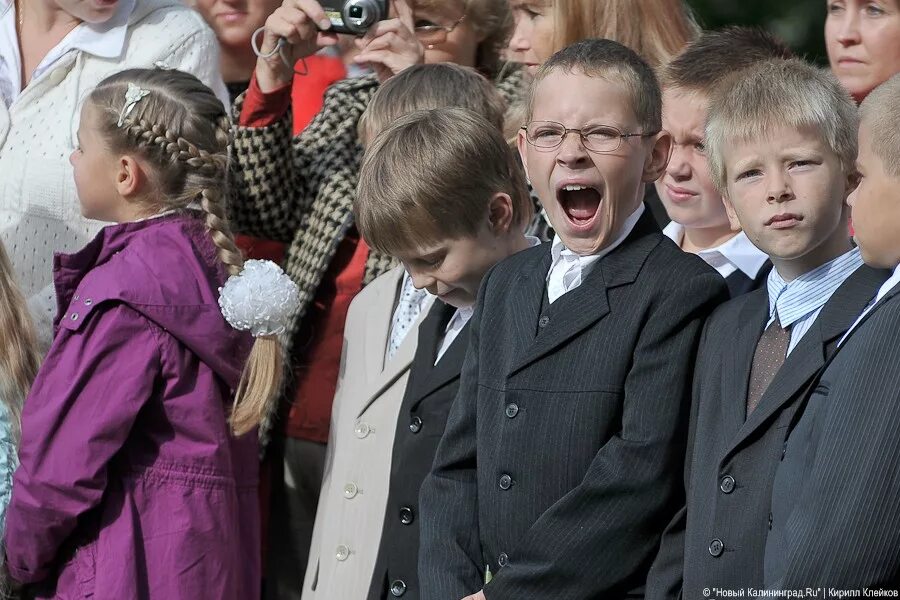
x=615 y=63
x=717 y=55
x=656 y=29
x=491 y=20
x=780 y=93
x=182 y=131
x=19 y=355
x=881 y=113
x=431 y=86
x=430 y=175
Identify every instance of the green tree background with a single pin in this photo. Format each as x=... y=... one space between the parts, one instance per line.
x=800 y=23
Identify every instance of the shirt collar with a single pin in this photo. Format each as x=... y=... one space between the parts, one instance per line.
x=558 y=250
x=809 y=292
x=104 y=40
x=737 y=250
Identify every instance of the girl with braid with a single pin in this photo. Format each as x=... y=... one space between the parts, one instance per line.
x=138 y=456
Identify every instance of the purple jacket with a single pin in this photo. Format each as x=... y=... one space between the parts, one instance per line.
x=130 y=484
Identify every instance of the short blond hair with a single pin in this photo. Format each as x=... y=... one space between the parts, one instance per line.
x=613 y=62
x=431 y=175
x=431 y=86
x=780 y=93
x=880 y=111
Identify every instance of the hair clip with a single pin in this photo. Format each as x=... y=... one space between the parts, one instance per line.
x=132 y=97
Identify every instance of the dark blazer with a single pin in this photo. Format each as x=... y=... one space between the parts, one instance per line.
x=729 y=478
x=561 y=462
x=739 y=284
x=836 y=496
x=423 y=415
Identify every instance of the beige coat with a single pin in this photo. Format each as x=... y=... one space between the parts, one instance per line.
x=358 y=463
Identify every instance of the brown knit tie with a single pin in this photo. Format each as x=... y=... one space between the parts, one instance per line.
x=770 y=353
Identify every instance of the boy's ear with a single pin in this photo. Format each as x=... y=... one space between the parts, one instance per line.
x=522 y=145
x=130 y=177
x=732 y=215
x=655 y=165
x=500 y=213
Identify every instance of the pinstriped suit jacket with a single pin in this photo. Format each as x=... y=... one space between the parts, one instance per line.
x=836 y=496
x=562 y=457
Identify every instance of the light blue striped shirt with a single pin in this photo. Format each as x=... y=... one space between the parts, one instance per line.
x=799 y=302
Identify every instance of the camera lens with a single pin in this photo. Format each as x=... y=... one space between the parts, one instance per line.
x=356 y=12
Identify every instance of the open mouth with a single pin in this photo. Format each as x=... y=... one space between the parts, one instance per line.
x=580 y=203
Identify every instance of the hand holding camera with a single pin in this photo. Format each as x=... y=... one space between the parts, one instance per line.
x=305 y=26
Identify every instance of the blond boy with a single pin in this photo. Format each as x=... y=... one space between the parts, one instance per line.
x=699 y=222
x=836 y=496
x=563 y=450
x=781 y=145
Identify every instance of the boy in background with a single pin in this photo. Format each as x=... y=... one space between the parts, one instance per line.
x=699 y=222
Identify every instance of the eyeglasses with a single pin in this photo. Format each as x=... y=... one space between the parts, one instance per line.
x=433 y=35
x=549 y=135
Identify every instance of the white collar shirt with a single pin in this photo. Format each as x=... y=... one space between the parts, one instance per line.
x=736 y=254
x=104 y=40
x=568 y=269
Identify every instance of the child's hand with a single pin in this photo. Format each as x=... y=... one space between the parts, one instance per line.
x=302 y=24
x=391 y=46
x=478 y=596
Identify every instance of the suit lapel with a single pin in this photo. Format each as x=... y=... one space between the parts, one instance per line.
x=380 y=373
x=841 y=310
x=737 y=364
x=447 y=369
x=525 y=296
x=582 y=307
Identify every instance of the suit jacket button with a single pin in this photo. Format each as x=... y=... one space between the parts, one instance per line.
x=342 y=553
x=727 y=484
x=350 y=491
x=362 y=429
x=398 y=588
x=716 y=547
x=415 y=424
x=503 y=559
x=407 y=516
x=512 y=409
x=544 y=321
x=505 y=482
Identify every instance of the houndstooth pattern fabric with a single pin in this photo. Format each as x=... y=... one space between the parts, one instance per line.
x=300 y=189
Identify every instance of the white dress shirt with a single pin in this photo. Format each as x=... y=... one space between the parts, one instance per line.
x=887 y=286
x=736 y=254
x=568 y=270
x=103 y=40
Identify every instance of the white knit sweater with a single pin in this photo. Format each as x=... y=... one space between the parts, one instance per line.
x=39 y=210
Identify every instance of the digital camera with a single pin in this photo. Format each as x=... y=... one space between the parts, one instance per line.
x=354 y=16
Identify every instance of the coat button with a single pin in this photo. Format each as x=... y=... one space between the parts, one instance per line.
x=512 y=409
x=407 y=516
x=415 y=424
x=727 y=484
x=74 y=316
x=503 y=559
x=342 y=553
x=88 y=301
x=505 y=482
x=544 y=321
x=398 y=588
x=361 y=430
x=716 y=547
x=350 y=491
x=57 y=76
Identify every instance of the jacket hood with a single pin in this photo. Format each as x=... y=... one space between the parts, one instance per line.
x=166 y=269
